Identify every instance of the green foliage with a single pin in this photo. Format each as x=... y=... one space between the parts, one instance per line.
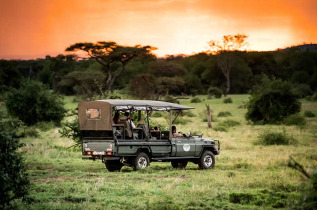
x=181 y=121
x=33 y=103
x=224 y=114
x=70 y=129
x=308 y=198
x=309 y=114
x=227 y=100
x=188 y=113
x=271 y=101
x=275 y=138
x=260 y=198
x=157 y=114
x=31 y=132
x=229 y=123
x=225 y=125
x=214 y=91
x=195 y=100
x=13 y=178
x=45 y=126
x=294 y=119
x=302 y=90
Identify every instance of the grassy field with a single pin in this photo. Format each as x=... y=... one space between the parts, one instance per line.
x=246 y=176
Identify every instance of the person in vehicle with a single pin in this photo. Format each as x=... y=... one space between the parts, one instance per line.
x=128 y=118
x=116 y=118
x=175 y=134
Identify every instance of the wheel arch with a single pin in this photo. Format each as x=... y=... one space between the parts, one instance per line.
x=209 y=148
x=146 y=150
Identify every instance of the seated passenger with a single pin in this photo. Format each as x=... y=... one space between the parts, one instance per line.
x=175 y=134
x=128 y=118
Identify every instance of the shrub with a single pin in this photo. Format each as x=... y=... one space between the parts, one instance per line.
x=224 y=114
x=275 y=138
x=45 y=126
x=214 y=91
x=195 y=100
x=33 y=103
x=229 y=123
x=309 y=114
x=157 y=114
x=271 y=101
x=181 y=121
x=295 y=119
x=302 y=90
x=31 y=132
x=227 y=100
x=188 y=114
x=70 y=129
x=13 y=177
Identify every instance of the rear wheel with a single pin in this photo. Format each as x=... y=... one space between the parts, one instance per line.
x=113 y=165
x=179 y=163
x=207 y=160
x=141 y=161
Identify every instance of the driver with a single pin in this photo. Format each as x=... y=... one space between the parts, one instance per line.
x=175 y=134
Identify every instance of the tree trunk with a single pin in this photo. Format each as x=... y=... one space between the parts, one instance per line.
x=208 y=116
x=228 y=83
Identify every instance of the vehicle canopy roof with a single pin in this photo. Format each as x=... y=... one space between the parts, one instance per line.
x=103 y=108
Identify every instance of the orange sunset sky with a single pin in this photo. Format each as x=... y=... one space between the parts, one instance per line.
x=35 y=28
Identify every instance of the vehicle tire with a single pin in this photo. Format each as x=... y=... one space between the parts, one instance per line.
x=113 y=165
x=141 y=161
x=207 y=160
x=179 y=163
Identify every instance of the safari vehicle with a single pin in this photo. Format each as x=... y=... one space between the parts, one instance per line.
x=119 y=142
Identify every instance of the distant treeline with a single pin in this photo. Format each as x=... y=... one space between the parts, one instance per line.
x=153 y=78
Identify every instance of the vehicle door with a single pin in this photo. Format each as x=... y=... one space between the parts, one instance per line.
x=183 y=146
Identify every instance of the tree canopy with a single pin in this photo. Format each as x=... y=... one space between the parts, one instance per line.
x=112 y=57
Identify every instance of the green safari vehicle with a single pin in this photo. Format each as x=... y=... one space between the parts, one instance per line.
x=109 y=134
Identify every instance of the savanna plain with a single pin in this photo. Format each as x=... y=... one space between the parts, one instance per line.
x=246 y=175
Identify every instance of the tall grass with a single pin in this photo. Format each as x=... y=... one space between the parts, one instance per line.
x=246 y=175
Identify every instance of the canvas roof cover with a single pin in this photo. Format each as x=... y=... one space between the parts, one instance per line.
x=96 y=115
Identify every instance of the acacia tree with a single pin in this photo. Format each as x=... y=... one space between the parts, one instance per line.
x=226 y=53
x=112 y=57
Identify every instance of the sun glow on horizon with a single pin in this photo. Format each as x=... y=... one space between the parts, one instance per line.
x=35 y=29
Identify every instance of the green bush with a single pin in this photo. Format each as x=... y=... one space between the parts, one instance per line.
x=227 y=100
x=33 y=103
x=308 y=195
x=31 y=132
x=70 y=129
x=181 y=121
x=229 y=123
x=13 y=177
x=157 y=114
x=294 y=119
x=195 y=100
x=309 y=114
x=271 y=101
x=275 y=138
x=188 y=113
x=214 y=91
x=224 y=114
x=302 y=90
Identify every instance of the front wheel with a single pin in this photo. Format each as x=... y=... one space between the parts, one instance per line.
x=207 y=160
x=141 y=161
x=179 y=164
